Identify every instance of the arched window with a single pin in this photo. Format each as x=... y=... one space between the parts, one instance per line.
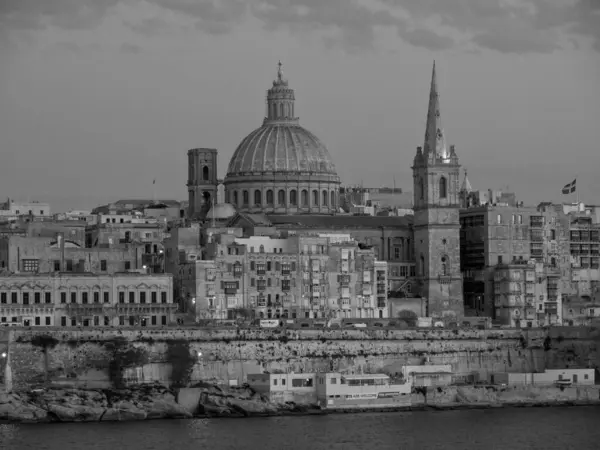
x=553 y=262
x=269 y=197
x=315 y=198
x=422 y=266
x=443 y=187
x=281 y=109
x=304 y=197
x=235 y=198
x=332 y=202
x=281 y=197
x=245 y=198
x=421 y=189
x=293 y=197
x=444 y=265
x=205 y=173
x=261 y=249
x=257 y=197
x=324 y=201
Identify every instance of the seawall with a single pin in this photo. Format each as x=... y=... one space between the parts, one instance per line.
x=104 y=358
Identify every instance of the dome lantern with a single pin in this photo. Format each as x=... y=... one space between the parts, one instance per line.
x=280 y=100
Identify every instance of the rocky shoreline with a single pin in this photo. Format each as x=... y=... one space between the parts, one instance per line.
x=147 y=402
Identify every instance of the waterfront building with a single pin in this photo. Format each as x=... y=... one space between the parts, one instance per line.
x=293 y=277
x=86 y=299
x=20 y=254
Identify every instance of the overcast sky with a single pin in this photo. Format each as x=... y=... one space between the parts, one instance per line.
x=99 y=97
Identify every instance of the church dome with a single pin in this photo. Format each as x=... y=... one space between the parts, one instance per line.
x=282 y=168
x=282 y=148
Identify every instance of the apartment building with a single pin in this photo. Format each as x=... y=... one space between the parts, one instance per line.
x=86 y=299
x=496 y=235
x=293 y=277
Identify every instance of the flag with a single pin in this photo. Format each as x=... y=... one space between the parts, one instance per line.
x=570 y=187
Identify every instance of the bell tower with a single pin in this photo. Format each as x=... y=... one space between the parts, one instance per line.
x=202 y=181
x=436 y=181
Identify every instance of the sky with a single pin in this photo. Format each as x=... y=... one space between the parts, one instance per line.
x=100 y=97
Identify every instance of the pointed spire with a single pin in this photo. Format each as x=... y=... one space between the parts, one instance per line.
x=466 y=185
x=435 y=141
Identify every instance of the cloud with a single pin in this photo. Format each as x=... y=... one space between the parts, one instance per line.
x=508 y=26
x=130 y=48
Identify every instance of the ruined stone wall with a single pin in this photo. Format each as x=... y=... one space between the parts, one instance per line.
x=101 y=358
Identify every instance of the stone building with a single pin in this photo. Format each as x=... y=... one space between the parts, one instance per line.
x=86 y=299
x=46 y=255
x=282 y=168
x=294 y=277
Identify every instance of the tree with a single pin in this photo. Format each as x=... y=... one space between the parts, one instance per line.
x=408 y=316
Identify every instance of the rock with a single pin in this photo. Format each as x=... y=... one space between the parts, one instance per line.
x=250 y=407
x=165 y=409
x=122 y=412
x=216 y=411
x=4 y=398
x=76 y=413
x=19 y=412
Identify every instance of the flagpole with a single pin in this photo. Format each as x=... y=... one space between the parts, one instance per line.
x=153 y=191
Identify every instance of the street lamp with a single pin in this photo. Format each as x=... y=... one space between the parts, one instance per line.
x=4 y=355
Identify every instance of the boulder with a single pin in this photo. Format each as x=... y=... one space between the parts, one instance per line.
x=251 y=407
x=123 y=411
x=165 y=409
x=76 y=413
x=20 y=412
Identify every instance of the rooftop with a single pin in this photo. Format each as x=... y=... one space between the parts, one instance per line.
x=340 y=222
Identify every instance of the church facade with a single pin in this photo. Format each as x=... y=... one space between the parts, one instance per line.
x=284 y=174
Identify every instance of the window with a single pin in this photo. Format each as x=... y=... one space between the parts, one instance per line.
x=304 y=197
x=443 y=187
x=37 y=297
x=96 y=297
x=281 y=197
x=48 y=321
x=48 y=297
x=499 y=219
x=132 y=297
x=499 y=259
x=3 y=298
x=84 y=297
x=37 y=320
x=127 y=265
x=205 y=173
x=30 y=265
x=103 y=265
x=302 y=382
x=14 y=297
x=269 y=197
x=163 y=299
x=142 y=297
x=121 y=297
x=163 y=320
x=315 y=199
x=235 y=198
x=153 y=297
x=293 y=197
x=324 y=199
x=26 y=298
x=245 y=198
x=257 y=197
x=106 y=297
x=57 y=265
x=63 y=321
x=69 y=264
x=552 y=235
x=520 y=219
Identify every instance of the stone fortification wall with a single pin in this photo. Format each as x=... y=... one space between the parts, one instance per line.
x=103 y=358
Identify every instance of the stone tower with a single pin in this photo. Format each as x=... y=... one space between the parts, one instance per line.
x=436 y=175
x=202 y=181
